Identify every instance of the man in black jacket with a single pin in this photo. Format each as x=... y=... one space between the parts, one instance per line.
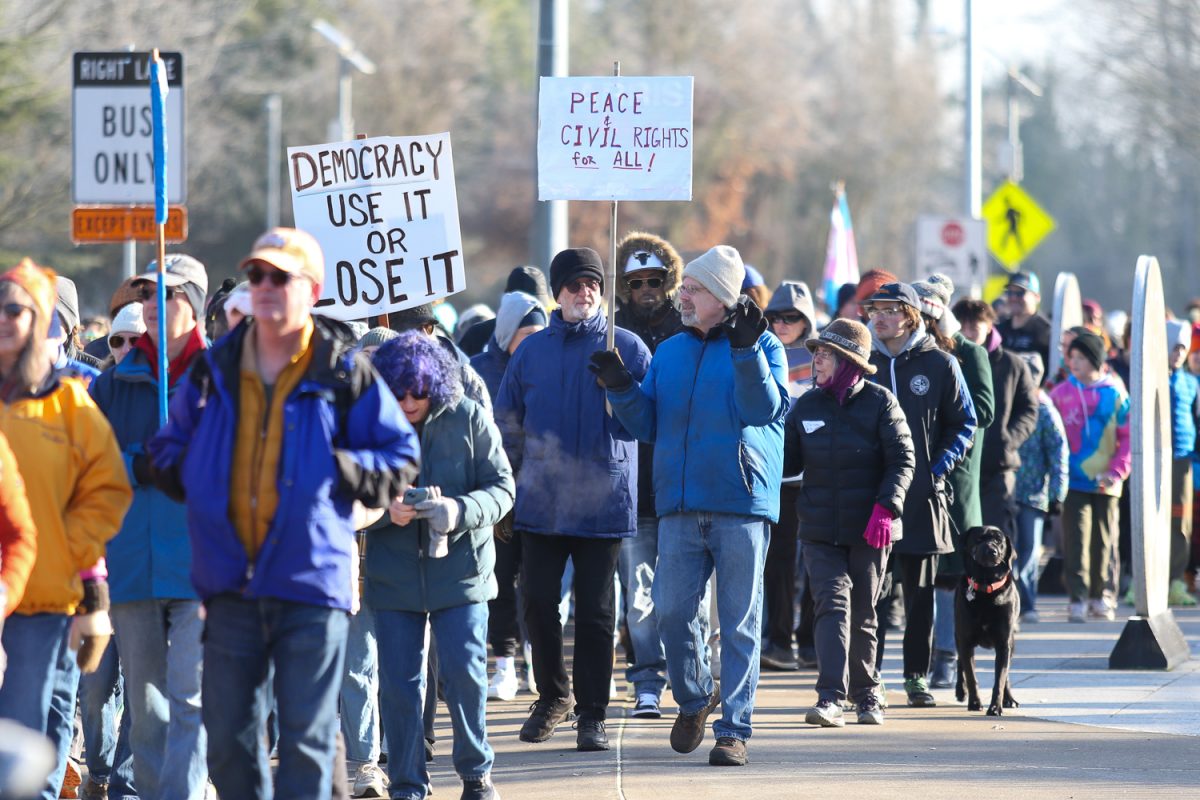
x=1025 y=330
x=1016 y=416
x=939 y=410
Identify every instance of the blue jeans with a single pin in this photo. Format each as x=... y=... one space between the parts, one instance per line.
x=360 y=690
x=306 y=646
x=161 y=656
x=690 y=547
x=40 y=683
x=461 y=636
x=647 y=669
x=105 y=744
x=1030 y=522
x=943 y=620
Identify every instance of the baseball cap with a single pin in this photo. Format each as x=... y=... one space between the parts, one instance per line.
x=289 y=250
x=1027 y=281
x=178 y=269
x=897 y=293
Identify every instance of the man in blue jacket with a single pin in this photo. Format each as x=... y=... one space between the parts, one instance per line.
x=576 y=472
x=155 y=611
x=713 y=403
x=277 y=432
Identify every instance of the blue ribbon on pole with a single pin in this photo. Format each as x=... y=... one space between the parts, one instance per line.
x=158 y=112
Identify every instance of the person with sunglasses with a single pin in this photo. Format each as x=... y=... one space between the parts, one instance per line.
x=1025 y=330
x=127 y=326
x=275 y=434
x=156 y=611
x=576 y=494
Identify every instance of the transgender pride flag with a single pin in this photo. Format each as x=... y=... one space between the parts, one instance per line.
x=841 y=256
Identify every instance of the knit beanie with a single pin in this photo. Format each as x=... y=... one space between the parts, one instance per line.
x=410 y=318
x=572 y=263
x=376 y=337
x=1179 y=334
x=1090 y=346
x=129 y=320
x=721 y=271
x=517 y=310
x=935 y=293
x=38 y=283
x=67 y=304
x=530 y=280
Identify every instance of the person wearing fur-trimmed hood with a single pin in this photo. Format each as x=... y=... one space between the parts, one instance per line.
x=650 y=274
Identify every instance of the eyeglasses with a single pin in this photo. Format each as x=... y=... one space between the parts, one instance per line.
x=893 y=311
x=578 y=284
x=277 y=277
x=692 y=288
x=116 y=342
x=823 y=354
x=636 y=283
x=150 y=292
x=422 y=395
x=790 y=318
x=13 y=310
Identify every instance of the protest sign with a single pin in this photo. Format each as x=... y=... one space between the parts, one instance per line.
x=615 y=138
x=385 y=211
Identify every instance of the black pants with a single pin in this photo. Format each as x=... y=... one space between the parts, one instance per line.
x=779 y=576
x=917 y=573
x=503 y=628
x=998 y=503
x=543 y=559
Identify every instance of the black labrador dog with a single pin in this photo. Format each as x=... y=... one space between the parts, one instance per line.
x=986 y=609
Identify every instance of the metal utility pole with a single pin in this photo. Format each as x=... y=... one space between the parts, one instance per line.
x=274 y=108
x=1016 y=78
x=972 y=123
x=350 y=58
x=553 y=49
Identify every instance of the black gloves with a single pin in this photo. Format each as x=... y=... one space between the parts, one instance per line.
x=745 y=324
x=1054 y=508
x=610 y=370
x=143 y=469
x=95 y=597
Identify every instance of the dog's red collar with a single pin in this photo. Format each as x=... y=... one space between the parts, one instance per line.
x=987 y=588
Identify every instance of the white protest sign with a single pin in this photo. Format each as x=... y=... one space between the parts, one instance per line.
x=955 y=247
x=385 y=211
x=615 y=138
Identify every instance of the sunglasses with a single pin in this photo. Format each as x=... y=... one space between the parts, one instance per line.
x=13 y=310
x=423 y=395
x=116 y=342
x=151 y=292
x=789 y=319
x=653 y=283
x=578 y=284
x=1015 y=291
x=277 y=277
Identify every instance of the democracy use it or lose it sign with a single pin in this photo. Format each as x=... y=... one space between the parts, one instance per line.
x=386 y=214
x=615 y=138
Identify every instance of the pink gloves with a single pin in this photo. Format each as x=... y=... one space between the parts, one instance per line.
x=879 y=530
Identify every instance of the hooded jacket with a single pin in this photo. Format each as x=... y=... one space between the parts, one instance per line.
x=965 y=510
x=576 y=465
x=941 y=416
x=1185 y=411
x=344 y=439
x=1045 y=459
x=666 y=321
x=76 y=485
x=1096 y=419
x=795 y=296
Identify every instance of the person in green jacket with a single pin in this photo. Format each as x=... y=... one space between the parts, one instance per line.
x=431 y=562
x=965 y=511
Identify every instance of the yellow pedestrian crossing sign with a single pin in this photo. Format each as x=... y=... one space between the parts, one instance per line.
x=1016 y=224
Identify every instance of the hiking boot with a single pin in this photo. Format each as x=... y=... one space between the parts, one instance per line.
x=479 y=789
x=591 y=736
x=370 y=781
x=942 y=675
x=1076 y=612
x=918 y=693
x=1177 y=595
x=504 y=684
x=728 y=752
x=827 y=714
x=544 y=717
x=647 y=706
x=688 y=731
x=869 y=711
x=1101 y=609
x=780 y=659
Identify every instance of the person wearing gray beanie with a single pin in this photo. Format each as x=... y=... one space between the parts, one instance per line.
x=721 y=272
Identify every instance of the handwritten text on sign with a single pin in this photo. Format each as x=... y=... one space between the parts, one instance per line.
x=615 y=139
x=386 y=214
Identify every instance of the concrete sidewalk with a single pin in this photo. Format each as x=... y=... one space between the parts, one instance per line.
x=1081 y=731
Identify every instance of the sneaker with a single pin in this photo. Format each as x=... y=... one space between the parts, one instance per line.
x=71 y=781
x=544 y=717
x=881 y=694
x=918 y=693
x=504 y=684
x=479 y=789
x=780 y=659
x=591 y=736
x=1177 y=595
x=1075 y=612
x=647 y=706
x=1030 y=617
x=93 y=790
x=728 y=752
x=807 y=656
x=429 y=748
x=370 y=781
x=688 y=731
x=944 y=663
x=1101 y=609
x=827 y=714
x=869 y=711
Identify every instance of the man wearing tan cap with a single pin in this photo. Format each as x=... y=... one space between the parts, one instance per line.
x=278 y=430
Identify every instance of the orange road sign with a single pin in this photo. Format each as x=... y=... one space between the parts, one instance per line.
x=106 y=224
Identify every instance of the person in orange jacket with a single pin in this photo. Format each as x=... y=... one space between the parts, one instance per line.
x=18 y=538
x=78 y=493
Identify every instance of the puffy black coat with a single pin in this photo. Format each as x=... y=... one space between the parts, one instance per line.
x=853 y=457
x=1016 y=412
x=941 y=416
